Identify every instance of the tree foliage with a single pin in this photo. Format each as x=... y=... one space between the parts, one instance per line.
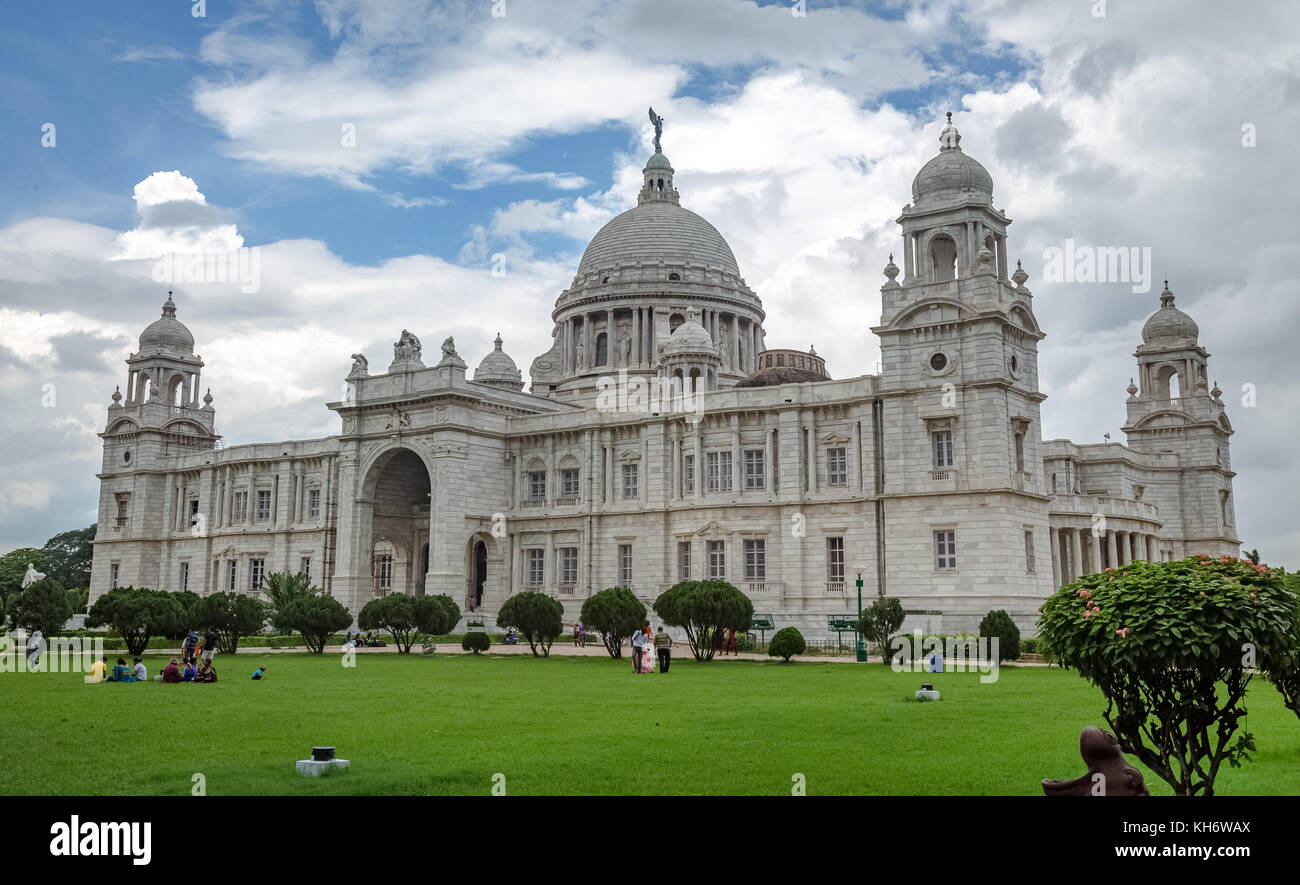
x=1284 y=670
x=1171 y=646
x=787 y=643
x=881 y=620
x=407 y=617
x=537 y=617
x=704 y=609
x=136 y=614
x=476 y=642
x=998 y=623
x=230 y=616
x=67 y=556
x=614 y=613
x=43 y=606
x=13 y=566
x=281 y=589
x=315 y=618
x=186 y=617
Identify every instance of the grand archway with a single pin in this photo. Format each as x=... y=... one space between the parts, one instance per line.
x=485 y=572
x=396 y=490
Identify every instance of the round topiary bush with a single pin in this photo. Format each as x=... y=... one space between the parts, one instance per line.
x=998 y=623
x=476 y=642
x=787 y=642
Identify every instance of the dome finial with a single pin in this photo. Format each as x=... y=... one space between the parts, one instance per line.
x=169 y=306
x=950 y=138
x=1166 y=297
x=497 y=341
x=658 y=123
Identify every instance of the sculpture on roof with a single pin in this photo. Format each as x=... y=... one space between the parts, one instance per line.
x=658 y=123
x=407 y=347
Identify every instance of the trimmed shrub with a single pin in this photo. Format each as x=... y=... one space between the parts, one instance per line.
x=879 y=621
x=538 y=618
x=705 y=610
x=315 y=619
x=787 y=643
x=1171 y=646
x=229 y=616
x=616 y=614
x=998 y=623
x=407 y=617
x=136 y=613
x=476 y=642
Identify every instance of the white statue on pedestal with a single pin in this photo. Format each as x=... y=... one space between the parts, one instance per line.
x=32 y=576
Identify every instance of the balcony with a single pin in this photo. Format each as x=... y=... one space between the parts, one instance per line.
x=532 y=502
x=566 y=501
x=942 y=474
x=835 y=588
x=567 y=589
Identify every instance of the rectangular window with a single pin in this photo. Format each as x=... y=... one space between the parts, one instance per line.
x=756 y=560
x=717 y=560
x=835 y=561
x=112 y=576
x=569 y=483
x=123 y=500
x=239 y=508
x=625 y=565
x=185 y=576
x=232 y=570
x=683 y=560
x=536 y=574
x=384 y=571
x=717 y=469
x=568 y=566
x=942 y=445
x=194 y=512
x=1020 y=453
x=256 y=571
x=688 y=474
x=945 y=549
x=630 y=487
x=313 y=504
x=304 y=567
x=754 y=469
x=1029 y=552
x=263 y=505
x=837 y=466
x=537 y=485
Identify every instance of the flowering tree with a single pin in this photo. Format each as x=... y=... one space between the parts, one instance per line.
x=1172 y=646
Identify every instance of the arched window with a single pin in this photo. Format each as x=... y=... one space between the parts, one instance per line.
x=943 y=258
x=602 y=349
x=146 y=387
x=177 y=395
x=674 y=276
x=1167 y=382
x=674 y=321
x=661 y=184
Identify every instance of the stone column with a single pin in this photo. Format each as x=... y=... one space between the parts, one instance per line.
x=1111 y=549
x=250 y=498
x=1056 y=560
x=1002 y=257
x=1076 y=552
x=675 y=471
x=635 y=356
x=737 y=474
x=768 y=466
x=611 y=346
x=1151 y=548
x=907 y=257
x=699 y=461
x=588 y=358
x=548 y=566
x=230 y=499
x=1121 y=540
x=1135 y=544
x=611 y=495
x=1094 y=553
x=812 y=454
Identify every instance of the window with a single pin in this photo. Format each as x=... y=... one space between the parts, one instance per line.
x=123 y=500
x=256 y=571
x=688 y=474
x=718 y=560
x=304 y=567
x=194 y=510
x=754 y=469
x=683 y=560
x=239 y=508
x=232 y=569
x=384 y=571
x=630 y=488
x=942 y=444
x=938 y=362
x=602 y=350
x=625 y=565
x=717 y=469
x=263 y=505
x=1029 y=552
x=537 y=485
x=112 y=576
x=568 y=566
x=313 y=504
x=569 y=483
x=536 y=574
x=945 y=549
x=837 y=466
x=1020 y=453
x=835 y=560
x=756 y=560
x=185 y=576
x=1053 y=483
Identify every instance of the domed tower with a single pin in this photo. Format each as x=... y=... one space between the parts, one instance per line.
x=163 y=415
x=690 y=356
x=498 y=369
x=1174 y=411
x=639 y=279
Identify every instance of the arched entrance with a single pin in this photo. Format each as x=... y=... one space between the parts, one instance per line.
x=485 y=572
x=480 y=573
x=395 y=540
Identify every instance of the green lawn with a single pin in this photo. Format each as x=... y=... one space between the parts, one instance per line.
x=565 y=725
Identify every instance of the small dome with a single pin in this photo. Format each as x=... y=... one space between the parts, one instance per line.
x=951 y=174
x=498 y=368
x=167 y=332
x=690 y=338
x=658 y=161
x=1169 y=325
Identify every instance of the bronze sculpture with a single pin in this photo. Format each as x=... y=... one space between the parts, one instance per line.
x=1109 y=773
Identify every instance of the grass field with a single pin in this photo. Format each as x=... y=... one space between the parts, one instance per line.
x=567 y=725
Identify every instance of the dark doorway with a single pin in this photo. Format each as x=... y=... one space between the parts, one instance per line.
x=480 y=572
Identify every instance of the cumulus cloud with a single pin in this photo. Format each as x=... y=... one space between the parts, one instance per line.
x=174 y=217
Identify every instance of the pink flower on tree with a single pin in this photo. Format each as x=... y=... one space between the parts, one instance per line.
x=1122 y=633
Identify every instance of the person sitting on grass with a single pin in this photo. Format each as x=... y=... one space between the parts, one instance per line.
x=139 y=671
x=99 y=670
x=189 y=672
x=260 y=672
x=121 y=672
x=170 y=674
x=207 y=673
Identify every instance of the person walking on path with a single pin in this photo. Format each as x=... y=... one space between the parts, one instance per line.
x=187 y=650
x=209 y=646
x=638 y=649
x=664 y=649
x=731 y=641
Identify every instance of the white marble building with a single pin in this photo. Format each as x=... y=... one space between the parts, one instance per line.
x=931 y=480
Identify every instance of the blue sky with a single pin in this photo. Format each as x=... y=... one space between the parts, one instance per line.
x=796 y=137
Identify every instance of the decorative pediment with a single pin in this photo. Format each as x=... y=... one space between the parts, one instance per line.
x=940 y=422
x=836 y=439
x=630 y=455
x=710 y=528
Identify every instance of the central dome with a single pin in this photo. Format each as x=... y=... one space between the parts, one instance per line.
x=654 y=232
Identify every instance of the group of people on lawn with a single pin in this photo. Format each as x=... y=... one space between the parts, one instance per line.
x=642 y=641
x=188 y=669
